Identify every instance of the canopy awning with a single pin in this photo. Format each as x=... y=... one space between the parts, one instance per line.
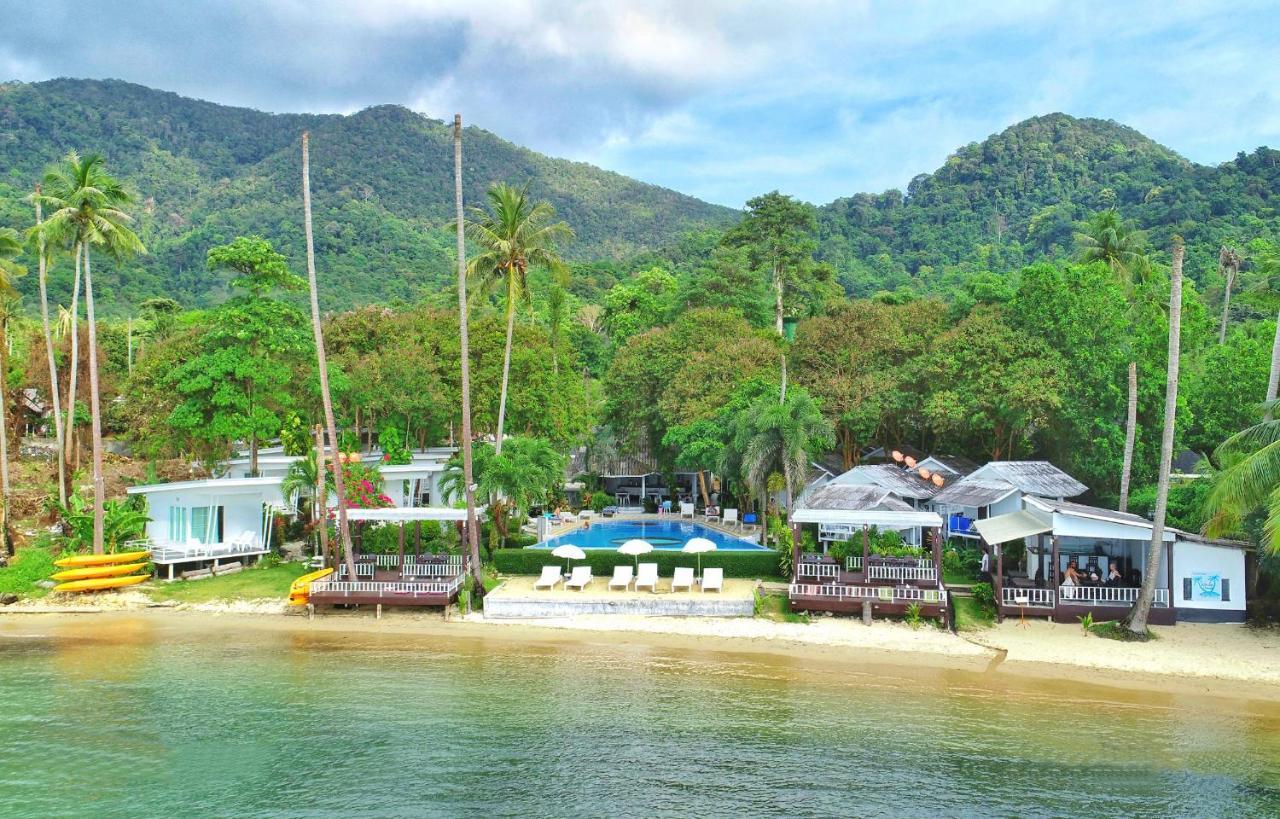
x=884 y=519
x=407 y=514
x=1011 y=526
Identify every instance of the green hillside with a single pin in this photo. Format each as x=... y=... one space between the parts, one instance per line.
x=1017 y=196
x=382 y=182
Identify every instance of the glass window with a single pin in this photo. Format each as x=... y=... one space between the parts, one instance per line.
x=177 y=524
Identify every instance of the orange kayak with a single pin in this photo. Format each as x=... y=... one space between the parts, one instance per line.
x=92 y=572
x=98 y=583
x=79 y=561
x=300 y=589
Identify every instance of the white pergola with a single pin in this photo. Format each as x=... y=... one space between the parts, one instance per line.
x=883 y=519
x=410 y=514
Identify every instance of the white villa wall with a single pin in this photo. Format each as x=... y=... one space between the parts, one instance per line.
x=241 y=512
x=1191 y=558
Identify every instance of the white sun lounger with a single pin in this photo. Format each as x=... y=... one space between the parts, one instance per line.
x=621 y=578
x=713 y=579
x=580 y=579
x=647 y=577
x=682 y=579
x=730 y=517
x=686 y=510
x=550 y=577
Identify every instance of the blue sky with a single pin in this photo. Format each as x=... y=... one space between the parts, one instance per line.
x=719 y=99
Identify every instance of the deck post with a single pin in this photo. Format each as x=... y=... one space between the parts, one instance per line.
x=1168 y=563
x=999 y=578
x=378 y=613
x=866 y=612
x=401 y=543
x=1051 y=576
x=311 y=611
x=866 y=550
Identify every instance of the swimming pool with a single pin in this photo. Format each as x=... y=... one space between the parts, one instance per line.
x=668 y=535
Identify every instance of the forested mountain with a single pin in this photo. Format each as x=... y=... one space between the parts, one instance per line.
x=382 y=180
x=1018 y=196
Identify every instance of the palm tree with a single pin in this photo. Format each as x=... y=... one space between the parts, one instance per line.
x=42 y=255
x=473 y=526
x=1228 y=267
x=776 y=437
x=302 y=480
x=10 y=246
x=321 y=364
x=88 y=209
x=513 y=236
x=1266 y=263
x=1136 y=621
x=523 y=474
x=1106 y=238
x=1249 y=481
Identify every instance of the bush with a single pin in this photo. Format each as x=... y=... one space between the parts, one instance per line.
x=26 y=568
x=984 y=594
x=650 y=505
x=385 y=539
x=520 y=540
x=599 y=500
x=760 y=563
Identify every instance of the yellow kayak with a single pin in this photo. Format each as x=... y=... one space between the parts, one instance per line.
x=99 y=583
x=91 y=572
x=300 y=589
x=100 y=560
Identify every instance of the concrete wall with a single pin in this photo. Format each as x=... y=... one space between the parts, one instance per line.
x=1192 y=558
x=531 y=607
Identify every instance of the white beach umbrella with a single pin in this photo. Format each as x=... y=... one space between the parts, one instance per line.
x=568 y=552
x=636 y=547
x=696 y=546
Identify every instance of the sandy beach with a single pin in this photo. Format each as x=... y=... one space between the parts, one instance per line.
x=1219 y=660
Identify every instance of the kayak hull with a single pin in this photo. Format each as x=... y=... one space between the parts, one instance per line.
x=300 y=589
x=81 y=561
x=94 y=572
x=100 y=583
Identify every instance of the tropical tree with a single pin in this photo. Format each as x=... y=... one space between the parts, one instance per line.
x=468 y=489
x=778 y=437
x=10 y=246
x=777 y=233
x=88 y=208
x=1229 y=261
x=322 y=366
x=525 y=473
x=1266 y=262
x=514 y=235
x=1136 y=621
x=1106 y=238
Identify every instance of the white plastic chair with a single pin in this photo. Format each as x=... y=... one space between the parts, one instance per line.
x=686 y=510
x=730 y=517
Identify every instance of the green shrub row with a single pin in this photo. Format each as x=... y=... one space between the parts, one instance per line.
x=754 y=564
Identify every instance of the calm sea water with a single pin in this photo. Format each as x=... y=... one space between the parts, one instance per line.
x=661 y=534
x=148 y=720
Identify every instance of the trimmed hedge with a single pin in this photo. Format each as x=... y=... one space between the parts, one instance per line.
x=751 y=564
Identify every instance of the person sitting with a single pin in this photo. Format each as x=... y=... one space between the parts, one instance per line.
x=1071 y=577
x=1114 y=578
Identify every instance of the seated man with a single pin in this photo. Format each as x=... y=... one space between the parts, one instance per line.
x=1114 y=577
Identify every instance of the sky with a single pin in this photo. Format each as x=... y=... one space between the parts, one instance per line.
x=719 y=99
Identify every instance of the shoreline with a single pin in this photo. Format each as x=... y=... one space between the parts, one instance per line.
x=1209 y=660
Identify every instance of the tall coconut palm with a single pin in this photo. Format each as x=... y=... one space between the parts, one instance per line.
x=1266 y=264
x=1248 y=482
x=514 y=235
x=1136 y=621
x=777 y=437
x=1228 y=267
x=9 y=247
x=321 y=363
x=1106 y=238
x=87 y=207
x=473 y=526
x=42 y=256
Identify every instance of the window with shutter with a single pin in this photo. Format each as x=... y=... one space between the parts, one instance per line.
x=1226 y=590
x=1186 y=588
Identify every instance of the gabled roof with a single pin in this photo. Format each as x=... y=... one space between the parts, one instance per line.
x=1039 y=478
x=854 y=497
x=899 y=481
x=974 y=492
x=956 y=465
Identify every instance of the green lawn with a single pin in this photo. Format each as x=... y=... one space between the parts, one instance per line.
x=773 y=606
x=249 y=584
x=29 y=566
x=955 y=577
x=970 y=616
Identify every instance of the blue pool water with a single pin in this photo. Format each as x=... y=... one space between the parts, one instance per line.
x=662 y=534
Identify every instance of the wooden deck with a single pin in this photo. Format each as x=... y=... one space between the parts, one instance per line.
x=848 y=598
x=381 y=581
x=1104 y=604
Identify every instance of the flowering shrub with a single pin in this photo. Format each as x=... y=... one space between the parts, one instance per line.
x=363 y=485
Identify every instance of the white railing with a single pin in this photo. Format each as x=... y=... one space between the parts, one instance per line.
x=176 y=552
x=876 y=572
x=853 y=563
x=362 y=570
x=1106 y=596
x=345 y=588
x=1013 y=596
x=884 y=594
x=392 y=561
x=820 y=570
x=431 y=569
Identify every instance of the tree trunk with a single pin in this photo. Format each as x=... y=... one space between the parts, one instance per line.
x=321 y=364
x=1137 y=619
x=1228 y=269
x=321 y=504
x=54 y=395
x=702 y=485
x=777 y=297
x=69 y=439
x=1130 y=436
x=1273 y=381
x=95 y=411
x=5 y=531
x=506 y=361
x=253 y=454
x=473 y=528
